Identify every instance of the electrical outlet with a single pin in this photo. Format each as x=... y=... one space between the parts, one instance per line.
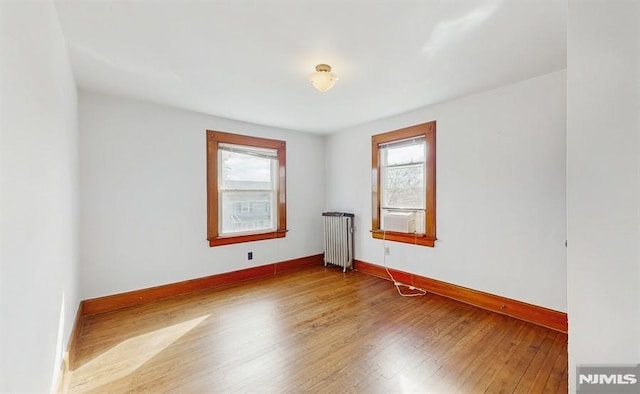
x=250 y=256
x=387 y=251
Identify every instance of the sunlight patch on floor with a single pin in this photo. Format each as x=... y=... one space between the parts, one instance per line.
x=129 y=355
x=408 y=386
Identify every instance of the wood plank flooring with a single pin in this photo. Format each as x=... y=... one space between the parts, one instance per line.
x=320 y=331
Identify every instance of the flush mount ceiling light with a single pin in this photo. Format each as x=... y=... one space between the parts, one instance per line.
x=323 y=79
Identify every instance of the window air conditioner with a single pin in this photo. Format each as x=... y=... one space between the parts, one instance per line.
x=401 y=222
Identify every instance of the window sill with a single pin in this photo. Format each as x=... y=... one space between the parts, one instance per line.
x=247 y=238
x=415 y=239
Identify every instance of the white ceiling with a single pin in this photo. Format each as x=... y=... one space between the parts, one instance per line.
x=250 y=59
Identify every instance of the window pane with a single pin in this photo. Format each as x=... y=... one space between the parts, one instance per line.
x=404 y=154
x=403 y=187
x=246 y=184
x=247 y=211
x=242 y=171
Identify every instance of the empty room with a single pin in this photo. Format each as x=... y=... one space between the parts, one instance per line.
x=424 y=196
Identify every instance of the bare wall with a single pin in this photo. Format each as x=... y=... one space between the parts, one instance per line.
x=603 y=183
x=143 y=196
x=38 y=197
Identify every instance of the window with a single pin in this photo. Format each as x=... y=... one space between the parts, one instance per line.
x=403 y=166
x=246 y=188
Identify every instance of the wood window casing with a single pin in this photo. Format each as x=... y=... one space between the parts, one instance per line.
x=213 y=232
x=428 y=131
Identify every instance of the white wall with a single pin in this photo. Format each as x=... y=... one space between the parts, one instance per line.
x=143 y=196
x=603 y=182
x=38 y=197
x=500 y=191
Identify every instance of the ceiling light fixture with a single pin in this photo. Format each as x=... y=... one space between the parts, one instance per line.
x=323 y=79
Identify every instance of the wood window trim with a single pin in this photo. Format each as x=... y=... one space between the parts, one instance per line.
x=428 y=130
x=213 y=235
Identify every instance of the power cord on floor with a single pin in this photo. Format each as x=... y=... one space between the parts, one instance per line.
x=397 y=284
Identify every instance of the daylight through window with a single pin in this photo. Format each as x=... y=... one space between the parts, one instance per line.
x=247 y=189
x=403 y=185
x=246 y=184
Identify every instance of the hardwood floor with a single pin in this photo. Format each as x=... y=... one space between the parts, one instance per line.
x=316 y=330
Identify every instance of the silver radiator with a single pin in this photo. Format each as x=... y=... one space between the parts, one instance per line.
x=338 y=239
